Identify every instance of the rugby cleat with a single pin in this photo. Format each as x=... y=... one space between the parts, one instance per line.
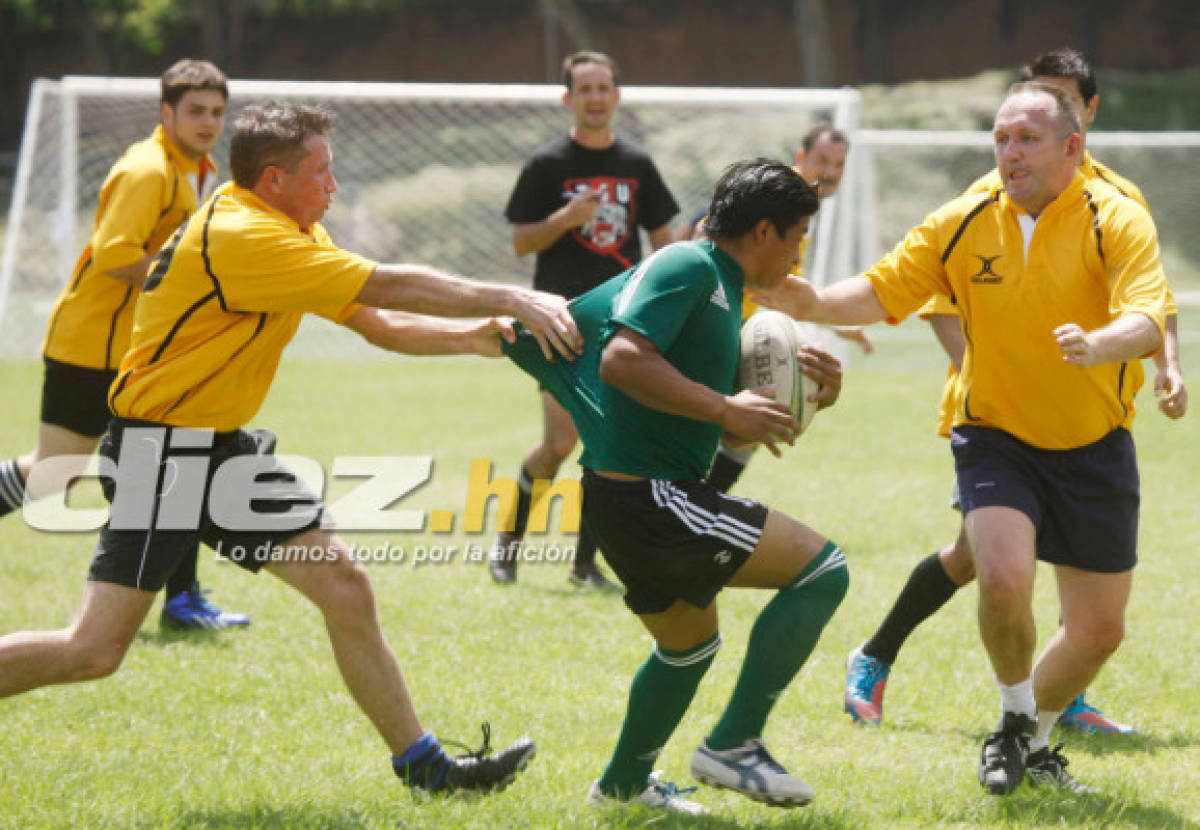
x=750 y=770
x=658 y=795
x=1083 y=717
x=1047 y=766
x=191 y=609
x=502 y=559
x=1002 y=761
x=866 y=678
x=480 y=771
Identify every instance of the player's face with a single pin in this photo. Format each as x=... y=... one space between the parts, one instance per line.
x=305 y=193
x=780 y=254
x=1086 y=110
x=824 y=164
x=1035 y=163
x=195 y=123
x=593 y=96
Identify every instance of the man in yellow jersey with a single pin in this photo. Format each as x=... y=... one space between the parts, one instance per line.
x=152 y=188
x=222 y=299
x=821 y=161
x=1061 y=293
x=935 y=579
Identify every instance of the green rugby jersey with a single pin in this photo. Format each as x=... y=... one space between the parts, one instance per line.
x=687 y=300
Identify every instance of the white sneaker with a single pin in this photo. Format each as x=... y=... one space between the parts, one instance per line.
x=659 y=794
x=750 y=770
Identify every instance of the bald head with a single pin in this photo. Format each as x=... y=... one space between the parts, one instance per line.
x=1038 y=144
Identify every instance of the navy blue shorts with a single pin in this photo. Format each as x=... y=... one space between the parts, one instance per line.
x=1083 y=502
x=670 y=540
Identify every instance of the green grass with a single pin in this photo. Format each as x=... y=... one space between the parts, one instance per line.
x=254 y=729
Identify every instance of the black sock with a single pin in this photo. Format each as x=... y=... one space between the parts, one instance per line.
x=585 y=550
x=524 y=499
x=926 y=591
x=727 y=468
x=12 y=487
x=184 y=578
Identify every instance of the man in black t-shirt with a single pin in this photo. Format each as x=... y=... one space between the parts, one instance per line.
x=578 y=204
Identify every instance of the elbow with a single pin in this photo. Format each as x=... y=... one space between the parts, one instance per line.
x=612 y=366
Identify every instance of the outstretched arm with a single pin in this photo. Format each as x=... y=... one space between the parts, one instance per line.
x=399 y=331
x=426 y=290
x=848 y=302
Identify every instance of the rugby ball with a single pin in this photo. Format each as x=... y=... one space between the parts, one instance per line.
x=769 y=343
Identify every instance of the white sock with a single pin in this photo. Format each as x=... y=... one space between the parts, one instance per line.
x=1017 y=698
x=1045 y=723
x=741 y=456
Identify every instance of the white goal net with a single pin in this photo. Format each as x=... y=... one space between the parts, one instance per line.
x=424 y=171
x=905 y=174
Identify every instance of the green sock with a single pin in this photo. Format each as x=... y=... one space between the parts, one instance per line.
x=783 y=636
x=661 y=692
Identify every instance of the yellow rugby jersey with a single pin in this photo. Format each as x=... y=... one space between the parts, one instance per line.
x=145 y=197
x=749 y=306
x=1093 y=256
x=223 y=298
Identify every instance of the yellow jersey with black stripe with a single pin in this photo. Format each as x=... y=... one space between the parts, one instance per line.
x=1093 y=171
x=222 y=299
x=1092 y=256
x=148 y=193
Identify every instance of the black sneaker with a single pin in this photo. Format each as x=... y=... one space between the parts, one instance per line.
x=1048 y=766
x=502 y=559
x=589 y=576
x=483 y=771
x=1002 y=762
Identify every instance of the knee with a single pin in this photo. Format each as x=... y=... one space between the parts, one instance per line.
x=1099 y=638
x=347 y=589
x=561 y=446
x=93 y=659
x=1002 y=592
x=956 y=561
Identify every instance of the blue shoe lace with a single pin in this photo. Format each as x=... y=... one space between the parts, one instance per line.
x=669 y=789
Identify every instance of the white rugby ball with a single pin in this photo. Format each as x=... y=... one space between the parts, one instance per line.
x=768 y=358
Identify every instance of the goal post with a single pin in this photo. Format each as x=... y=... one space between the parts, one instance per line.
x=424 y=170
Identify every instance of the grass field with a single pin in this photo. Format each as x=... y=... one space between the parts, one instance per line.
x=254 y=729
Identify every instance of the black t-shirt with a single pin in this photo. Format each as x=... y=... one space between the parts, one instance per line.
x=632 y=194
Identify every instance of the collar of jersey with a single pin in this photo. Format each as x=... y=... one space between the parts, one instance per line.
x=1078 y=182
x=724 y=260
x=181 y=161
x=248 y=198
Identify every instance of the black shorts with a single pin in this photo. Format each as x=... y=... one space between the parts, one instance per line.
x=1083 y=502
x=164 y=502
x=670 y=540
x=75 y=397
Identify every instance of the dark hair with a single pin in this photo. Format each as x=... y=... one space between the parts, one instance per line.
x=273 y=133
x=823 y=130
x=1065 y=117
x=187 y=75
x=1063 y=63
x=750 y=191
x=580 y=58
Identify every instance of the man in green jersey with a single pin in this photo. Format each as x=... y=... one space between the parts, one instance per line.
x=651 y=396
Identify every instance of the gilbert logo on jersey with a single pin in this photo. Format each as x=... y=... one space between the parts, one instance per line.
x=986 y=275
x=616 y=216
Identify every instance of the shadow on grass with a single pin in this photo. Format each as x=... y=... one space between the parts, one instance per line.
x=1030 y=806
x=200 y=638
x=804 y=818
x=294 y=817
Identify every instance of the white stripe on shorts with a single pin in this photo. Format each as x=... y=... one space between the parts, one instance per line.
x=704 y=522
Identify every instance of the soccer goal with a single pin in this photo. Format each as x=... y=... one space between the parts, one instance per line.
x=424 y=170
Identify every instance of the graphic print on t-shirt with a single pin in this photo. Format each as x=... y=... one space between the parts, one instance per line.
x=615 y=217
